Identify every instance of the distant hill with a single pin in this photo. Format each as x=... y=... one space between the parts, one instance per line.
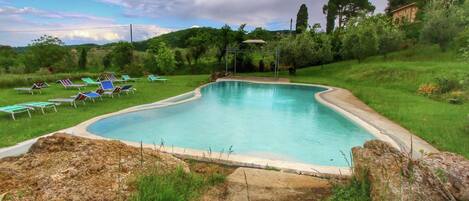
x=176 y=39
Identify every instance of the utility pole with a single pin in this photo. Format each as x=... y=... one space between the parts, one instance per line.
x=291 y=25
x=131 y=34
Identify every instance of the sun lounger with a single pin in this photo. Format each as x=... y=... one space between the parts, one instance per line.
x=40 y=105
x=153 y=78
x=89 y=81
x=30 y=89
x=110 y=77
x=93 y=95
x=127 y=78
x=116 y=91
x=15 y=109
x=67 y=83
x=80 y=97
x=107 y=85
x=128 y=89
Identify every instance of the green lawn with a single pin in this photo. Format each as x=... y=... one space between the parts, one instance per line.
x=23 y=128
x=390 y=87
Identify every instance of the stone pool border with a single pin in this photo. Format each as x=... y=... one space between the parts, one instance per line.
x=224 y=158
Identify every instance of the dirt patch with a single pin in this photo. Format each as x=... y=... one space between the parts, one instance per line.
x=263 y=185
x=64 y=167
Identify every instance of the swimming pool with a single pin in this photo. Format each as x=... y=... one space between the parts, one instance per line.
x=271 y=121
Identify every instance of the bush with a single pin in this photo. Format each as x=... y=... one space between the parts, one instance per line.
x=134 y=69
x=428 y=89
x=456 y=97
x=446 y=85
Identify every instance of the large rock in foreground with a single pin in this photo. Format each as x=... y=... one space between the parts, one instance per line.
x=64 y=167
x=393 y=175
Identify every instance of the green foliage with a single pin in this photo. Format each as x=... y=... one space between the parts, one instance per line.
x=83 y=59
x=122 y=54
x=179 y=59
x=353 y=191
x=45 y=51
x=107 y=61
x=305 y=49
x=176 y=185
x=360 y=39
x=260 y=33
x=165 y=59
x=198 y=45
x=443 y=21
x=344 y=10
x=302 y=19
x=390 y=37
x=224 y=39
x=8 y=57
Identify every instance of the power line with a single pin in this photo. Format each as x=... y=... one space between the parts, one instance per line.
x=64 y=29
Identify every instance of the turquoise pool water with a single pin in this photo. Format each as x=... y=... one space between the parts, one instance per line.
x=270 y=121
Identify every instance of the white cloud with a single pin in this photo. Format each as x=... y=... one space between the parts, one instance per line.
x=72 y=28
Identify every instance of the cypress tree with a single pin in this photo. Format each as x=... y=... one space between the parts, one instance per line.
x=302 y=19
x=83 y=59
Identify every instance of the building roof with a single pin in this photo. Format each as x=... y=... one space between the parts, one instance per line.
x=255 y=41
x=404 y=7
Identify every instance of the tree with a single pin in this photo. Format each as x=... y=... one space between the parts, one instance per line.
x=198 y=46
x=107 y=61
x=390 y=37
x=225 y=37
x=8 y=57
x=122 y=54
x=360 y=39
x=443 y=20
x=306 y=49
x=260 y=33
x=302 y=19
x=344 y=10
x=83 y=59
x=45 y=51
x=179 y=58
x=165 y=59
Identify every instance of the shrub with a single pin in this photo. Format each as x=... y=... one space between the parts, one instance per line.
x=428 y=89
x=446 y=85
x=17 y=69
x=456 y=97
x=134 y=69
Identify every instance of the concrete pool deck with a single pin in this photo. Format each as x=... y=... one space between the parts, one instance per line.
x=337 y=99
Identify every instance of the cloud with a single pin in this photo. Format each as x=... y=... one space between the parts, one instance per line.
x=72 y=28
x=255 y=13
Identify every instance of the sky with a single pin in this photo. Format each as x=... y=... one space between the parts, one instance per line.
x=103 y=21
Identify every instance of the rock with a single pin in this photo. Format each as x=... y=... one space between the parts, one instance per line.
x=452 y=170
x=65 y=167
x=395 y=176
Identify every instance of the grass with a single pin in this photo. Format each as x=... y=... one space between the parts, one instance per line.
x=390 y=87
x=353 y=191
x=24 y=128
x=175 y=185
x=15 y=80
